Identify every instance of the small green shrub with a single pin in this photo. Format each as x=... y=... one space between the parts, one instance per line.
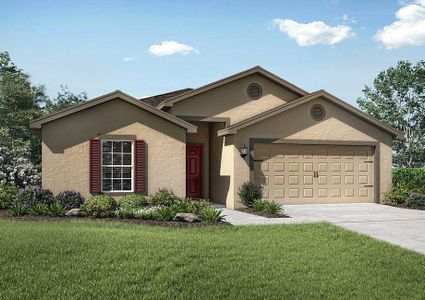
x=18 y=209
x=125 y=213
x=146 y=213
x=257 y=205
x=405 y=182
x=163 y=198
x=188 y=205
x=70 y=199
x=99 y=206
x=38 y=210
x=7 y=194
x=55 y=210
x=33 y=195
x=165 y=213
x=272 y=208
x=210 y=214
x=133 y=202
x=415 y=200
x=249 y=192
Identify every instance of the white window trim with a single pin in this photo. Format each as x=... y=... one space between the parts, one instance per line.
x=126 y=166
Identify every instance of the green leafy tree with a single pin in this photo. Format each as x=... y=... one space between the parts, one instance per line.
x=397 y=98
x=64 y=99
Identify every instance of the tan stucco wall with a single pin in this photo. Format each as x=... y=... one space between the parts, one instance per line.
x=202 y=138
x=296 y=124
x=65 y=146
x=231 y=100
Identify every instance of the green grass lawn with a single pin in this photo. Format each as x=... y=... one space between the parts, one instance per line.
x=98 y=259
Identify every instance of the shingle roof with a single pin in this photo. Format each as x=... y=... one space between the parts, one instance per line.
x=158 y=99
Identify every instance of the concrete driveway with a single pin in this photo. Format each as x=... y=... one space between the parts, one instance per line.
x=403 y=227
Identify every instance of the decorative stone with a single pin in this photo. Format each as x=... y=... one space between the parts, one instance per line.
x=75 y=212
x=187 y=217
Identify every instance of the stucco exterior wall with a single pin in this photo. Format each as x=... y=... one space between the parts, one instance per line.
x=202 y=138
x=65 y=147
x=296 y=125
x=231 y=100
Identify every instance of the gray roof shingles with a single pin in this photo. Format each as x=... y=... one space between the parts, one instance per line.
x=157 y=99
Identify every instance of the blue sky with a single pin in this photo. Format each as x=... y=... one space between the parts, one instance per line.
x=100 y=46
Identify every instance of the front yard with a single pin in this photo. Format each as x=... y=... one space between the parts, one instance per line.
x=99 y=259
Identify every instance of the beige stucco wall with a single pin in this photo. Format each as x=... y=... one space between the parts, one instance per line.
x=231 y=100
x=65 y=146
x=202 y=138
x=296 y=124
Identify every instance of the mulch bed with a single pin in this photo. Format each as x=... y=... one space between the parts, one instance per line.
x=408 y=207
x=4 y=214
x=263 y=214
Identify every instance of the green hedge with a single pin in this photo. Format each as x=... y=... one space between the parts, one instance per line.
x=405 y=182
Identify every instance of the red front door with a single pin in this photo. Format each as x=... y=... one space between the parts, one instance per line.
x=193 y=171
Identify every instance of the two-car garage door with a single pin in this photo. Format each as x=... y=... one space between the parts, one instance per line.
x=298 y=173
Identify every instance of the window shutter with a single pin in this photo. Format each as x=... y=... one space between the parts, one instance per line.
x=94 y=166
x=139 y=166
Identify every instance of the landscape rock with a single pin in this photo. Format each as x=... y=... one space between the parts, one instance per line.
x=187 y=217
x=75 y=212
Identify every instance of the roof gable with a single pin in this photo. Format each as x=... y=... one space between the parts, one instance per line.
x=158 y=99
x=233 y=129
x=170 y=102
x=37 y=123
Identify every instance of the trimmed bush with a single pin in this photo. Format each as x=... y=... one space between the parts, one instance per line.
x=31 y=196
x=268 y=207
x=210 y=214
x=70 y=199
x=405 y=182
x=415 y=200
x=133 y=202
x=99 y=206
x=188 y=205
x=7 y=195
x=164 y=213
x=163 y=197
x=125 y=213
x=249 y=192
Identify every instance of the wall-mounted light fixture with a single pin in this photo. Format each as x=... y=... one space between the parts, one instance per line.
x=244 y=151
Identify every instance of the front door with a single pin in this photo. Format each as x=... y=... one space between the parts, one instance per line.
x=193 y=171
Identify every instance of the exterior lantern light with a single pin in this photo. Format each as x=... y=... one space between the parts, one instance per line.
x=244 y=151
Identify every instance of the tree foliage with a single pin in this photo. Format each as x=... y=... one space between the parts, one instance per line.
x=21 y=102
x=397 y=98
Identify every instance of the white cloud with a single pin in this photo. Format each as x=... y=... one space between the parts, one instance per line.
x=408 y=30
x=171 y=48
x=347 y=18
x=129 y=59
x=316 y=32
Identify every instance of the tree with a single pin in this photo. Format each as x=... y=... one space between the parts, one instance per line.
x=397 y=98
x=64 y=99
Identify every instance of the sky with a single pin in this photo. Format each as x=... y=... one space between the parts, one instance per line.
x=151 y=47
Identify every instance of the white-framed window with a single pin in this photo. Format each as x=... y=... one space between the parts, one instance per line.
x=117 y=165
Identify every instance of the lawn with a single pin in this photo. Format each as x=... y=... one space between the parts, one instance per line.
x=98 y=259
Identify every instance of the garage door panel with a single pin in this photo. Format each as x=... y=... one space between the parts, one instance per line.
x=292 y=173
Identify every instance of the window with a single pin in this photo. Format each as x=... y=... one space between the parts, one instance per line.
x=117 y=166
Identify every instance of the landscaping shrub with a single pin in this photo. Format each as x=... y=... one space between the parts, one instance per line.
x=415 y=200
x=210 y=214
x=124 y=213
x=31 y=196
x=55 y=210
x=249 y=192
x=188 y=205
x=38 y=210
x=18 y=209
x=257 y=205
x=146 y=213
x=164 y=213
x=133 y=202
x=163 y=198
x=7 y=194
x=70 y=199
x=405 y=182
x=268 y=207
x=99 y=206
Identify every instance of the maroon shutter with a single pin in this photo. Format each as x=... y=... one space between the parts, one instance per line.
x=139 y=166
x=94 y=166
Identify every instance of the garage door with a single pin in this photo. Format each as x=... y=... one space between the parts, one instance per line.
x=301 y=174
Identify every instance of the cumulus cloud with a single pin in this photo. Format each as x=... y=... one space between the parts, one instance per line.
x=347 y=18
x=407 y=30
x=171 y=48
x=316 y=32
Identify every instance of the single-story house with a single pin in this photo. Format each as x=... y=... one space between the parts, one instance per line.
x=204 y=143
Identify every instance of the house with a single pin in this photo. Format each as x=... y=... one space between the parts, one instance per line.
x=301 y=147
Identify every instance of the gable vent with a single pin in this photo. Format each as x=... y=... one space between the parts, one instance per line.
x=254 y=91
x=317 y=112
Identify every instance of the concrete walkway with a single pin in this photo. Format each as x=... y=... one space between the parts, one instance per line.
x=403 y=227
